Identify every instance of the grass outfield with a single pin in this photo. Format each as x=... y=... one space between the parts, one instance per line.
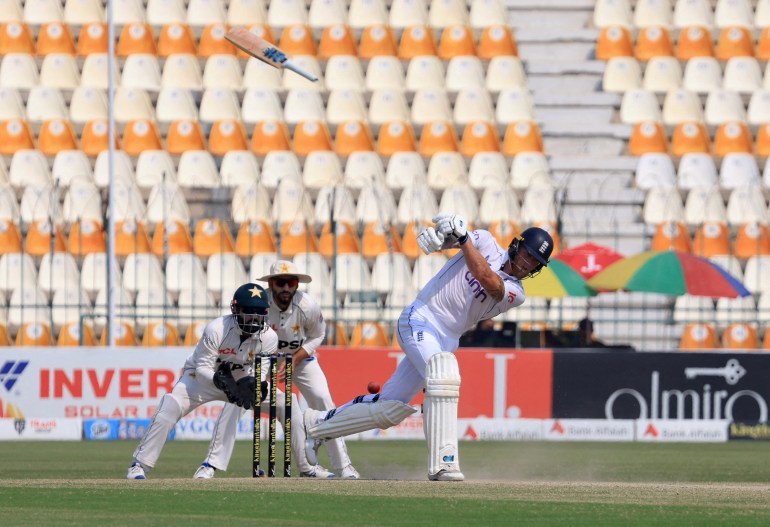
x=544 y=484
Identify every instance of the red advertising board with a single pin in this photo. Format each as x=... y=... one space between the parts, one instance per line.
x=495 y=382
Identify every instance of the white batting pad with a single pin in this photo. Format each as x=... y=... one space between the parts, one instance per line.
x=442 y=392
x=361 y=417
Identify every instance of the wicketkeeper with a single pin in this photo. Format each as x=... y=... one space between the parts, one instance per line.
x=480 y=282
x=220 y=369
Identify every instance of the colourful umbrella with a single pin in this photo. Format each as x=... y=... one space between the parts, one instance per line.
x=556 y=281
x=669 y=273
x=589 y=259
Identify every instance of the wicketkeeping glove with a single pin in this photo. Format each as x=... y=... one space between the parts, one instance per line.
x=223 y=379
x=245 y=392
x=452 y=225
x=430 y=241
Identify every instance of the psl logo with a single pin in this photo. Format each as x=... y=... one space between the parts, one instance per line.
x=11 y=371
x=18 y=425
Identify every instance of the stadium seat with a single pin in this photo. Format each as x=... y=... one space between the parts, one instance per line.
x=647 y=137
x=742 y=75
x=621 y=74
x=530 y=169
x=337 y=39
x=182 y=70
x=369 y=334
x=741 y=336
x=732 y=137
x=85 y=237
x=82 y=201
x=462 y=200
x=699 y=336
x=696 y=169
x=270 y=136
x=522 y=136
x=662 y=74
x=310 y=136
x=653 y=41
x=752 y=239
x=639 y=105
x=175 y=38
x=756 y=275
x=385 y=73
x=254 y=237
x=344 y=72
x=16 y=37
x=446 y=169
x=56 y=135
x=377 y=40
x=396 y=137
x=34 y=334
x=222 y=71
x=70 y=335
x=505 y=72
x=734 y=41
x=739 y=169
x=171 y=237
x=212 y=236
x=136 y=38
x=704 y=206
x=655 y=170
x=472 y=105
x=735 y=310
x=496 y=40
x=662 y=204
x=353 y=136
x=456 y=40
x=125 y=334
x=653 y=13
x=416 y=204
x=404 y=13
x=762 y=142
x=38 y=240
x=59 y=70
x=45 y=103
x=514 y=104
x=27 y=305
x=612 y=12
x=405 y=169
x=693 y=13
x=690 y=137
x=681 y=106
x=689 y=308
x=15 y=136
x=671 y=236
x=479 y=136
x=702 y=75
x=416 y=40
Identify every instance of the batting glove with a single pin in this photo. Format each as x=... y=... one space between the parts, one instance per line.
x=454 y=225
x=430 y=241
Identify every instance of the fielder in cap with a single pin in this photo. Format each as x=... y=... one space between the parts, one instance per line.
x=480 y=282
x=296 y=318
x=220 y=369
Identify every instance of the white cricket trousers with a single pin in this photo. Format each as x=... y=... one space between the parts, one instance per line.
x=187 y=395
x=311 y=382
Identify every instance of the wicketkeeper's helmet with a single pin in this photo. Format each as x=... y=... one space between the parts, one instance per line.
x=249 y=305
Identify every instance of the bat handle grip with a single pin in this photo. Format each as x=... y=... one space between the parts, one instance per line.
x=289 y=65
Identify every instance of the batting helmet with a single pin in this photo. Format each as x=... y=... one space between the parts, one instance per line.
x=537 y=242
x=249 y=305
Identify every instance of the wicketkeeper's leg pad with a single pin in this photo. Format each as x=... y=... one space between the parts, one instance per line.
x=442 y=393
x=360 y=417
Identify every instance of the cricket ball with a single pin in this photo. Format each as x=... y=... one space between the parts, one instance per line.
x=373 y=387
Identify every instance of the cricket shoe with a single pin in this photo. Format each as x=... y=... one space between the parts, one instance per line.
x=135 y=471
x=205 y=471
x=310 y=419
x=318 y=472
x=447 y=475
x=349 y=472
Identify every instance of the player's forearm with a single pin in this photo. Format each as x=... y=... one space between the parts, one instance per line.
x=479 y=268
x=299 y=355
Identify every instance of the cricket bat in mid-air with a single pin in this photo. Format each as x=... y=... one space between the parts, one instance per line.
x=263 y=50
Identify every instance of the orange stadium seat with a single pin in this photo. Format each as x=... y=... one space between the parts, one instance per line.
x=504 y=231
x=171 y=237
x=762 y=141
x=227 y=135
x=160 y=334
x=254 y=237
x=456 y=41
x=347 y=240
x=378 y=239
x=353 y=136
x=298 y=40
x=671 y=236
x=762 y=51
x=95 y=139
x=193 y=333
x=409 y=241
x=732 y=137
x=56 y=135
x=16 y=37
x=336 y=334
x=377 y=41
x=295 y=237
x=212 y=237
x=734 y=42
x=438 y=136
x=269 y=136
x=711 y=239
x=136 y=37
x=396 y=136
x=5 y=340
x=647 y=137
x=55 y=37
x=70 y=335
x=765 y=340
x=416 y=41
x=141 y=135
x=125 y=334
x=614 y=41
x=653 y=41
x=184 y=135
x=522 y=136
x=690 y=137
x=86 y=236
x=38 y=239
x=740 y=335
x=10 y=237
x=479 y=136
x=497 y=41
x=92 y=39
x=310 y=136
x=34 y=334
x=131 y=237
x=213 y=41
x=337 y=40
x=176 y=38
x=698 y=336
x=752 y=239
x=694 y=41
x=369 y=334
x=15 y=134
